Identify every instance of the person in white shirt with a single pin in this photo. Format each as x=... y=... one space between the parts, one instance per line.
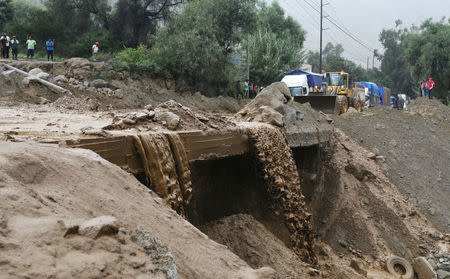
x=5 y=45
x=95 y=48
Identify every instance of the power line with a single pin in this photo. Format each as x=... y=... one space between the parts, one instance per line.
x=315 y=25
x=348 y=33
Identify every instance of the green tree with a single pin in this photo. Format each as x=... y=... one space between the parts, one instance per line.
x=427 y=52
x=6 y=12
x=197 y=45
x=276 y=45
x=393 y=62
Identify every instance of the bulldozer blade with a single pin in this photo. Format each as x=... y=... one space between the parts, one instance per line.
x=325 y=104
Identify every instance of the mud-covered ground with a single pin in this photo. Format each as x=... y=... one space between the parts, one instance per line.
x=362 y=184
x=415 y=149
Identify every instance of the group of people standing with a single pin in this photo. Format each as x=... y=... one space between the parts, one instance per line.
x=427 y=87
x=7 y=44
x=12 y=45
x=247 y=89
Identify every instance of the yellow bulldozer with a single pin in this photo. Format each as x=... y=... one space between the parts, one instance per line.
x=337 y=94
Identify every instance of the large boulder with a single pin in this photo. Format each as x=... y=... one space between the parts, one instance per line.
x=35 y=71
x=78 y=68
x=303 y=125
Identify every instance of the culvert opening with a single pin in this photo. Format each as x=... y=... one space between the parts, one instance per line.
x=230 y=186
x=320 y=182
x=263 y=184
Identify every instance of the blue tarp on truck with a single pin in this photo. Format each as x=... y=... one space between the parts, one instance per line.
x=381 y=92
x=313 y=79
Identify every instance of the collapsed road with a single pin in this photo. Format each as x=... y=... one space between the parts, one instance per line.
x=265 y=189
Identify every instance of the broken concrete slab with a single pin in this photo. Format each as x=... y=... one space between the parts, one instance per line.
x=303 y=125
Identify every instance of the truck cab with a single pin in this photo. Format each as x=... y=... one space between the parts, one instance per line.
x=297 y=84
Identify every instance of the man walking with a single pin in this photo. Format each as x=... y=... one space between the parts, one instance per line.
x=31 y=44
x=14 y=47
x=50 y=44
x=431 y=85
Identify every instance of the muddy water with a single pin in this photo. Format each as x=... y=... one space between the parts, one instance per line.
x=276 y=164
x=182 y=166
x=165 y=165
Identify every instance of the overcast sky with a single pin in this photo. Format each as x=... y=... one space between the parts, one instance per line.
x=364 y=18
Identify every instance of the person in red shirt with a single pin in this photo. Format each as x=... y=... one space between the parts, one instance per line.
x=431 y=85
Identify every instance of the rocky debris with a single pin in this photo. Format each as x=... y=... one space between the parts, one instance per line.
x=439 y=258
x=313 y=272
x=425 y=107
x=359 y=171
x=43 y=101
x=274 y=97
x=265 y=114
x=100 y=226
x=90 y=131
x=159 y=255
x=98 y=83
x=127 y=120
x=359 y=267
x=60 y=79
x=35 y=71
x=423 y=268
x=82 y=104
x=44 y=76
x=77 y=68
x=168 y=119
x=351 y=110
x=274 y=105
x=27 y=80
x=443 y=274
x=118 y=93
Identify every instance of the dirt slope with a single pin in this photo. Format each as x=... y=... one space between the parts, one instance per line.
x=136 y=91
x=416 y=149
x=41 y=185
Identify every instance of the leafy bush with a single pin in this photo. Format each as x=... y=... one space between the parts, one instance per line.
x=135 y=59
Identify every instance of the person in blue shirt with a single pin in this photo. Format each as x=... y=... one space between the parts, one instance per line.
x=50 y=48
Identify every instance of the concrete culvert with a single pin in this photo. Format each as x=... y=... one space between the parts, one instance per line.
x=400 y=267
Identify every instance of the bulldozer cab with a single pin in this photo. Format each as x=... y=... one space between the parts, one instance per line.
x=338 y=83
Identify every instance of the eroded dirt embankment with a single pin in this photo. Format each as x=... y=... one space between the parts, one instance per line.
x=414 y=148
x=42 y=186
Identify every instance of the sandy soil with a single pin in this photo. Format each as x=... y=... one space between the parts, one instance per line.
x=67 y=184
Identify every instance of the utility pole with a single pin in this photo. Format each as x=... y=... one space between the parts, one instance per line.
x=373 y=60
x=321 y=31
x=367 y=67
x=248 y=56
